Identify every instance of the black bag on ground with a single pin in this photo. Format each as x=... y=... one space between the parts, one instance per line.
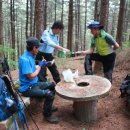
x=125 y=89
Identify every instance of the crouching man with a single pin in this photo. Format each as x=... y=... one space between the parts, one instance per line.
x=29 y=85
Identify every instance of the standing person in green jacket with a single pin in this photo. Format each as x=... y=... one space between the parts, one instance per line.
x=105 y=46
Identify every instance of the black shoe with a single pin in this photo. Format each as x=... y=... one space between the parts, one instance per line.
x=127 y=111
x=89 y=73
x=52 y=119
x=54 y=109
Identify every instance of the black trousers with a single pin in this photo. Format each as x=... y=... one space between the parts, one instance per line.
x=37 y=91
x=108 y=62
x=53 y=68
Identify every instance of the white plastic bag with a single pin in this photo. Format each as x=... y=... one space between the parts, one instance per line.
x=68 y=75
x=76 y=74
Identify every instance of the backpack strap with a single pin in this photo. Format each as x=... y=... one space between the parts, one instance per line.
x=15 y=123
x=22 y=116
x=9 y=87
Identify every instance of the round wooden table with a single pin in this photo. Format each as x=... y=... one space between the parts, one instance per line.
x=84 y=92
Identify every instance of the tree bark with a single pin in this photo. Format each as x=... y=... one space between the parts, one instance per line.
x=97 y=10
x=27 y=15
x=1 y=24
x=39 y=18
x=12 y=17
x=104 y=12
x=84 y=46
x=62 y=13
x=1 y=33
x=120 y=22
x=55 y=8
x=45 y=14
x=70 y=25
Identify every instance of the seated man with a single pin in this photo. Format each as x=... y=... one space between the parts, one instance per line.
x=29 y=85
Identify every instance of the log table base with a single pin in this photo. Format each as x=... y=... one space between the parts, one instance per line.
x=85 y=111
x=84 y=92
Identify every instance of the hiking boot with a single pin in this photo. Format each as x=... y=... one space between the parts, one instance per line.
x=52 y=119
x=127 y=111
x=89 y=73
x=54 y=109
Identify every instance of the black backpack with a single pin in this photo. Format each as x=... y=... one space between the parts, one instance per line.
x=125 y=89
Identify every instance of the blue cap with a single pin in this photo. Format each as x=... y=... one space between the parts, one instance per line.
x=95 y=24
x=32 y=41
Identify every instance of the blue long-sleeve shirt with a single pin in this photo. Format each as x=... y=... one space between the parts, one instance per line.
x=50 y=40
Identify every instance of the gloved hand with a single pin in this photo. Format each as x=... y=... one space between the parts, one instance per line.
x=48 y=63
x=45 y=63
x=41 y=63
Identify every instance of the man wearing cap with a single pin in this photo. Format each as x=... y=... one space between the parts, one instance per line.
x=105 y=46
x=29 y=85
x=50 y=42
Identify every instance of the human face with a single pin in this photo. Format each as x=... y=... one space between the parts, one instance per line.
x=57 y=31
x=35 y=50
x=95 y=31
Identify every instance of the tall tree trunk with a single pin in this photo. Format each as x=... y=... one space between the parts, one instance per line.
x=27 y=20
x=62 y=13
x=126 y=21
x=76 y=26
x=39 y=18
x=129 y=39
x=8 y=41
x=1 y=33
x=31 y=18
x=113 y=23
x=86 y=3
x=21 y=39
x=34 y=21
x=79 y=27
x=17 y=47
x=55 y=8
x=104 y=13
x=70 y=25
x=12 y=17
x=78 y=33
x=97 y=10
x=45 y=14
x=120 y=22
x=1 y=24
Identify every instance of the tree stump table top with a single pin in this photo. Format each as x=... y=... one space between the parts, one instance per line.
x=85 y=88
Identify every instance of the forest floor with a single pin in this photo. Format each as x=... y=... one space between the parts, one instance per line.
x=111 y=115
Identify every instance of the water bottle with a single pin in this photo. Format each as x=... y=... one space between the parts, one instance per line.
x=71 y=54
x=9 y=101
x=68 y=54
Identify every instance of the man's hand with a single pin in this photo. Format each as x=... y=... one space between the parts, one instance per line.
x=45 y=63
x=79 y=52
x=66 y=50
x=42 y=63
